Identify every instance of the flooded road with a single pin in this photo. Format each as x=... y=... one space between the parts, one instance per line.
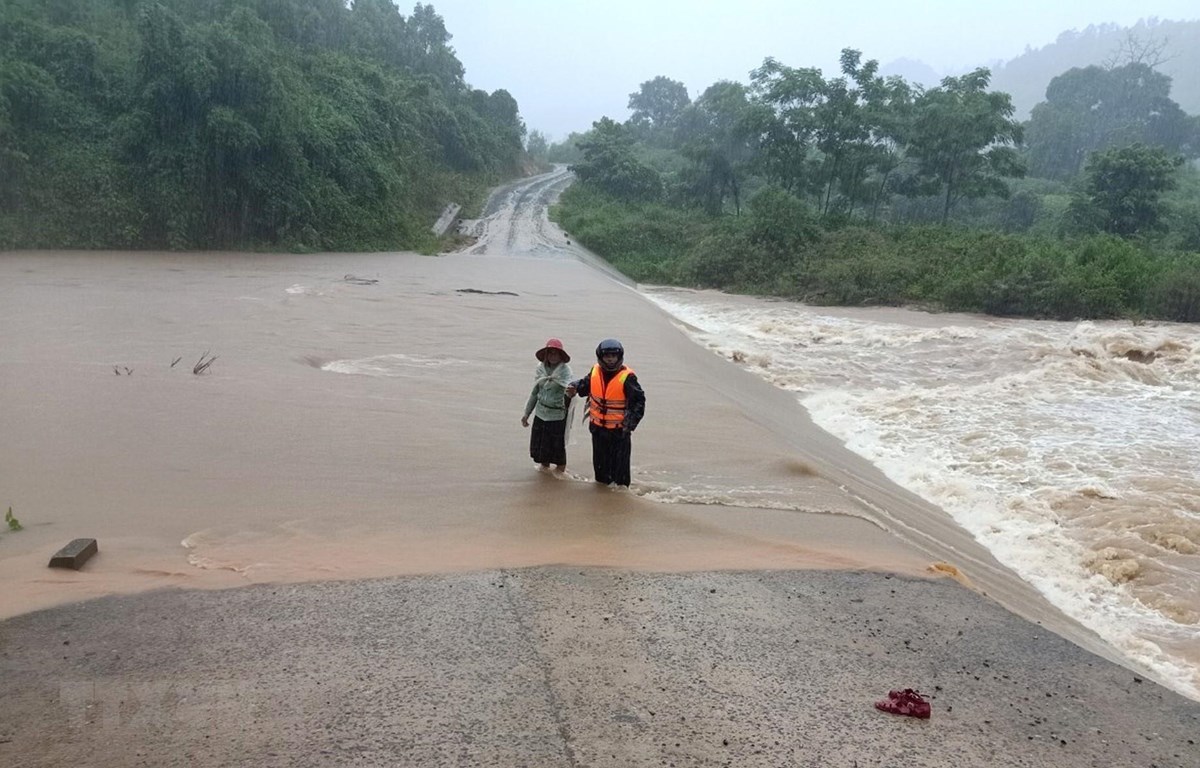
x=361 y=419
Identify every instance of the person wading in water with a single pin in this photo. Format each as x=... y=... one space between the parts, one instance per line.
x=548 y=404
x=617 y=404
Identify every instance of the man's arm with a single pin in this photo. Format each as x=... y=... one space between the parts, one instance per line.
x=579 y=387
x=635 y=403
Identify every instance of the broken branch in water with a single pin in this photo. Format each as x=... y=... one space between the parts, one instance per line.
x=175 y=361
x=360 y=280
x=202 y=365
x=488 y=293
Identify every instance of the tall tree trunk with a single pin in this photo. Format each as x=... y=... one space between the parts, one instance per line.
x=879 y=195
x=829 y=186
x=949 y=192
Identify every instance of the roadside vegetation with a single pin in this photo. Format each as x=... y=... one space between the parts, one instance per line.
x=299 y=124
x=861 y=189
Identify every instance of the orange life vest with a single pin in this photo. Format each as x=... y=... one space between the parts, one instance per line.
x=607 y=403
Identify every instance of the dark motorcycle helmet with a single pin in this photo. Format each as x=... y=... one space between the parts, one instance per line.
x=610 y=345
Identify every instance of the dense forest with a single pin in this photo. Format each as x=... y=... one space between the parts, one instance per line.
x=309 y=124
x=865 y=189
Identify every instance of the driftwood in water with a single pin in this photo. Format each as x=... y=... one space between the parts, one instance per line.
x=202 y=364
x=488 y=293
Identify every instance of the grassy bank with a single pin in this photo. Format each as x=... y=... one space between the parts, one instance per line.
x=777 y=248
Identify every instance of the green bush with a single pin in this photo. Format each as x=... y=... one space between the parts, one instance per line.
x=778 y=249
x=646 y=241
x=1174 y=293
x=724 y=258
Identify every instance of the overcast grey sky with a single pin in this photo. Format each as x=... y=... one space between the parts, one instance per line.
x=568 y=62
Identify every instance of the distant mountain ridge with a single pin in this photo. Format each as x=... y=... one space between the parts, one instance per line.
x=912 y=70
x=1027 y=76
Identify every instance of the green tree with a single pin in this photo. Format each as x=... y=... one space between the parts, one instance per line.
x=1123 y=188
x=428 y=48
x=714 y=136
x=536 y=145
x=888 y=111
x=838 y=139
x=963 y=138
x=1090 y=108
x=846 y=132
x=655 y=106
x=609 y=164
x=785 y=125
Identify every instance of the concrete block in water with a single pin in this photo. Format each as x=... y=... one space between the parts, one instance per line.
x=449 y=214
x=75 y=554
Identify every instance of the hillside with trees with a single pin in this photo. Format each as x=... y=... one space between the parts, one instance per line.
x=1171 y=48
x=314 y=124
x=865 y=189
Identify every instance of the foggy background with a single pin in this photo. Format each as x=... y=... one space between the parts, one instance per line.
x=567 y=64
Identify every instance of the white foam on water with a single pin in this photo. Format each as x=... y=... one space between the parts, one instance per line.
x=1068 y=449
x=707 y=495
x=388 y=365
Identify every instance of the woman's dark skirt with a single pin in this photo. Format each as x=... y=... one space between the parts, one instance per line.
x=547 y=441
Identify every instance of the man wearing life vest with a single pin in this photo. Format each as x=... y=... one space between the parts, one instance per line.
x=616 y=405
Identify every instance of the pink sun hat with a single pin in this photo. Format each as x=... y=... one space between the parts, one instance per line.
x=552 y=344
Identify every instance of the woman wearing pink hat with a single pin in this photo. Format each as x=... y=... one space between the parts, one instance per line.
x=548 y=404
